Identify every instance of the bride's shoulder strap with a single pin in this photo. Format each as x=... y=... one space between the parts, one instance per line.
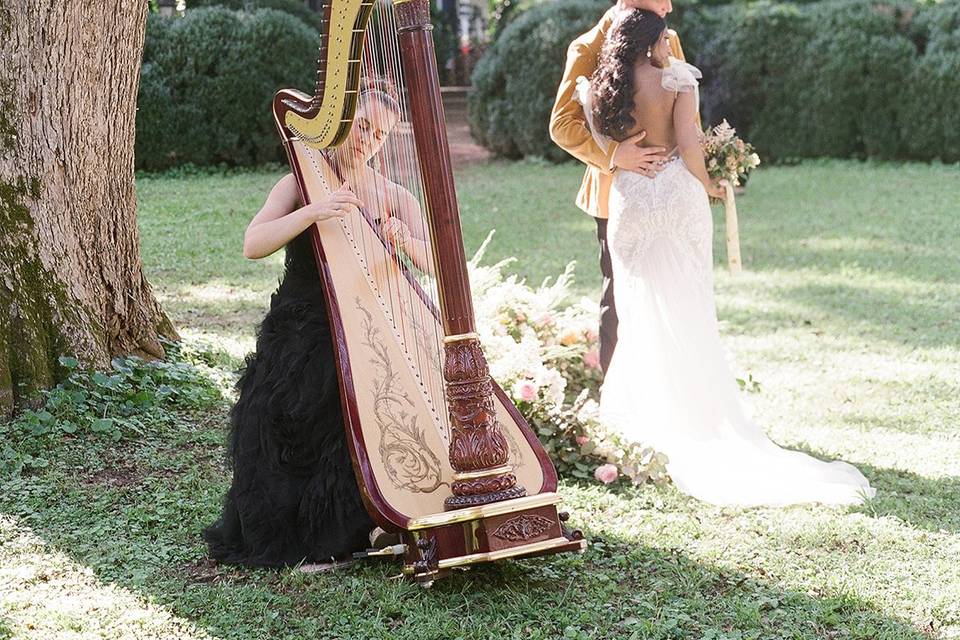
x=680 y=76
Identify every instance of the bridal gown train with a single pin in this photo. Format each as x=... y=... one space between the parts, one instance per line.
x=669 y=384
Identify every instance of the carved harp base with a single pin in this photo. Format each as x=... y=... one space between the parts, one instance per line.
x=459 y=502
x=518 y=528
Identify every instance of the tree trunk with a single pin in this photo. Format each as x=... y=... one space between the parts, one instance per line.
x=71 y=279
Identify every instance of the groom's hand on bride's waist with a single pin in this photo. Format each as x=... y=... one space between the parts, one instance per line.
x=630 y=155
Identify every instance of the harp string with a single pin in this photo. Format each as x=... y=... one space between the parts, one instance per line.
x=428 y=329
x=413 y=319
x=436 y=334
x=427 y=325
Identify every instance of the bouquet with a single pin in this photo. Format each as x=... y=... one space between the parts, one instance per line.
x=727 y=156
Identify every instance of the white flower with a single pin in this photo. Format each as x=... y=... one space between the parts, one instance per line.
x=589 y=411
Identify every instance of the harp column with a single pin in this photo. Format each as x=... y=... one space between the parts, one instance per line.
x=479 y=453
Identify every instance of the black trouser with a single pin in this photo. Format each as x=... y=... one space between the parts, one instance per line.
x=608 y=311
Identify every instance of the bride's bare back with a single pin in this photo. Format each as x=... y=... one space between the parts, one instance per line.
x=669 y=119
x=635 y=71
x=653 y=108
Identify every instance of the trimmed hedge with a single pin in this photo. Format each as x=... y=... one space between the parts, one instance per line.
x=208 y=79
x=839 y=78
x=819 y=80
x=296 y=8
x=207 y=84
x=514 y=84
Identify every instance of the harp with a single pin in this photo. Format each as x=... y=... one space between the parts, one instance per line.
x=440 y=453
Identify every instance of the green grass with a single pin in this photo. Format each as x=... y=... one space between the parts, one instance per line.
x=847 y=314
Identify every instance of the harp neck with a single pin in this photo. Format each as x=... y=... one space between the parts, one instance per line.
x=325 y=119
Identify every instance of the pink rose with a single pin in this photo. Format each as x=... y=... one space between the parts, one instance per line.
x=525 y=390
x=592 y=335
x=545 y=319
x=582 y=440
x=606 y=473
x=592 y=358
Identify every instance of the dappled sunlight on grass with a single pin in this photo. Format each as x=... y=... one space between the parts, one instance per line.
x=846 y=315
x=44 y=593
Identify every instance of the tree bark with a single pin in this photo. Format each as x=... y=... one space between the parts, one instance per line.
x=71 y=278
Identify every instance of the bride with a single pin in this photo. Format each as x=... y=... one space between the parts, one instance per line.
x=669 y=384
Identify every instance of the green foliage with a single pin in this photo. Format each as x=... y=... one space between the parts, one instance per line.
x=933 y=126
x=296 y=8
x=936 y=27
x=503 y=12
x=840 y=78
x=114 y=404
x=445 y=39
x=208 y=81
x=516 y=81
x=827 y=84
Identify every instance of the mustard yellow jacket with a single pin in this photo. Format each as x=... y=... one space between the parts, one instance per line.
x=568 y=125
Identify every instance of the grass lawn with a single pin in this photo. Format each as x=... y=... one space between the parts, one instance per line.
x=848 y=315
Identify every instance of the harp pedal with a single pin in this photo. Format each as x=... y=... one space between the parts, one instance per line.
x=387 y=552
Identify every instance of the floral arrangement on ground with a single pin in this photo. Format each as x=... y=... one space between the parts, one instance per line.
x=542 y=348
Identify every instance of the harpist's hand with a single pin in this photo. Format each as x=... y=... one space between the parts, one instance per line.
x=336 y=205
x=630 y=155
x=397 y=232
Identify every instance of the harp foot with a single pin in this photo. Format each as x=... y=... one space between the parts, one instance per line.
x=573 y=535
x=459 y=502
x=456 y=539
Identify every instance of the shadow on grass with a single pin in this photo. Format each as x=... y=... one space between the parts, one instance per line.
x=888 y=316
x=925 y=503
x=856 y=310
x=144 y=536
x=881 y=256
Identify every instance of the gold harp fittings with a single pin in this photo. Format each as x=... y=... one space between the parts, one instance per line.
x=459 y=337
x=473 y=475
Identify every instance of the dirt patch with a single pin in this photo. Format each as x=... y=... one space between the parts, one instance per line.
x=117 y=477
x=463 y=149
x=204 y=571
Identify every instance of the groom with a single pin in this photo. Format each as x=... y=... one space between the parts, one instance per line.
x=568 y=128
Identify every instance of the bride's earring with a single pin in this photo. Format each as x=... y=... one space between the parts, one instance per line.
x=649 y=52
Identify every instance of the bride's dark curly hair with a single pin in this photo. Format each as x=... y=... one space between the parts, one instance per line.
x=632 y=34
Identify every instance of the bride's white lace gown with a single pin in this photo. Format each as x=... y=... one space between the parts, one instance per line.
x=669 y=384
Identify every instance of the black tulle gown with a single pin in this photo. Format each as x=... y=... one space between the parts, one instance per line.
x=294 y=496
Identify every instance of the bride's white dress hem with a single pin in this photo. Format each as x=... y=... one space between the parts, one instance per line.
x=669 y=384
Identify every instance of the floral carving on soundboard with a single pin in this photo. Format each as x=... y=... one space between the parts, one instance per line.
x=403 y=448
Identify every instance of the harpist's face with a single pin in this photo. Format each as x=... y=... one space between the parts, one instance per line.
x=372 y=124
